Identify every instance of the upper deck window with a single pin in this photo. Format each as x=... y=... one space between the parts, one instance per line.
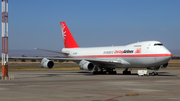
x=158 y=44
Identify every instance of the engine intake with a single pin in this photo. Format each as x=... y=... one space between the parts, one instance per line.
x=86 y=65
x=45 y=63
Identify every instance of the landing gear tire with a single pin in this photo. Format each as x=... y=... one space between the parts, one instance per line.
x=113 y=72
x=153 y=73
x=102 y=71
x=94 y=73
x=98 y=72
x=126 y=72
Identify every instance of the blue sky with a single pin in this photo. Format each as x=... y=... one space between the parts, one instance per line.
x=36 y=23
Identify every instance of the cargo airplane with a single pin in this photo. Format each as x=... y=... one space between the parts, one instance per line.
x=147 y=54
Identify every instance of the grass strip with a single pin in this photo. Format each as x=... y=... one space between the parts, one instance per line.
x=58 y=66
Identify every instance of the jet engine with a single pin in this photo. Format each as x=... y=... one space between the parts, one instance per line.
x=86 y=65
x=165 y=65
x=154 y=68
x=45 y=63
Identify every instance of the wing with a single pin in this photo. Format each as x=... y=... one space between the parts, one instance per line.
x=112 y=63
x=99 y=62
x=53 y=51
x=109 y=62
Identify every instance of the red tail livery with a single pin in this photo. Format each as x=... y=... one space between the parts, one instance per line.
x=69 y=41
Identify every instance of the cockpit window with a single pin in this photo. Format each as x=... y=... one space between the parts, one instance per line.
x=158 y=44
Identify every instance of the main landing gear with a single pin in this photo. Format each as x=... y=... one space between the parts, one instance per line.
x=126 y=71
x=104 y=71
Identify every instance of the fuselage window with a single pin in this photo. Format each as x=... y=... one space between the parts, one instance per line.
x=158 y=44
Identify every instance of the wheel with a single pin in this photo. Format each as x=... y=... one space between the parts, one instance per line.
x=94 y=72
x=156 y=73
x=104 y=72
x=124 y=72
x=114 y=72
x=129 y=72
x=152 y=73
x=99 y=72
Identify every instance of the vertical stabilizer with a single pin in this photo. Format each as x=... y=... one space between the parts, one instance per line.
x=69 y=41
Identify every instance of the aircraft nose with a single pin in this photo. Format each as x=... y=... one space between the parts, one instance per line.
x=163 y=50
x=168 y=53
x=165 y=53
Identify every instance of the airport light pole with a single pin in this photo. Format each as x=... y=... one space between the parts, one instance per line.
x=5 y=38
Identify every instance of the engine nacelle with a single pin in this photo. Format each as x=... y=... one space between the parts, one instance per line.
x=45 y=63
x=86 y=65
x=165 y=65
x=154 y=68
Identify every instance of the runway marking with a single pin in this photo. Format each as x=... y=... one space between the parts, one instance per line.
x=101 y=93
x=40 y=88
x=75 y=84
x=136 y=94
x=95 y=90
x=3 y=89
x=113 y=98
x=90 y=93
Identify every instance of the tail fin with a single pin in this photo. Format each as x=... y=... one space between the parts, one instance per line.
x=69 y=41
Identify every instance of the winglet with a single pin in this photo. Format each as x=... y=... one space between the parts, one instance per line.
x=69 y=41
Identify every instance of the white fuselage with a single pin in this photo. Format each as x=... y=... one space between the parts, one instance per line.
x=141 y=54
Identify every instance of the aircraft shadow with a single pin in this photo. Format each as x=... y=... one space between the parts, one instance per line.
x=91 y=74
x=159 y=74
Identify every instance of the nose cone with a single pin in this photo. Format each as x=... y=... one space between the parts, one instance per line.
x=163 y=50
x=167 y=52
x=164 y=54
x=169 y=55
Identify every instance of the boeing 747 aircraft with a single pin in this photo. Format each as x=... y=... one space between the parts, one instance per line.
x=147 y=54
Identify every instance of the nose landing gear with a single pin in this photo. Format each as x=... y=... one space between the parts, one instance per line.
x=154 y=69
x=153 y=73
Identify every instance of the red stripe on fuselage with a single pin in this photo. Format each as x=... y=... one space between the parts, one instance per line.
x=135 y=55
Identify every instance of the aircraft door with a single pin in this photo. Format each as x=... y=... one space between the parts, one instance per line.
x=151 y=50
x=148 y=46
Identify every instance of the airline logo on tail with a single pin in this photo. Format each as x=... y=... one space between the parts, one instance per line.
x=69 y=41
x=63 y=32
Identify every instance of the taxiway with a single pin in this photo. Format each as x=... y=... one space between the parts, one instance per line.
x=84 y=86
